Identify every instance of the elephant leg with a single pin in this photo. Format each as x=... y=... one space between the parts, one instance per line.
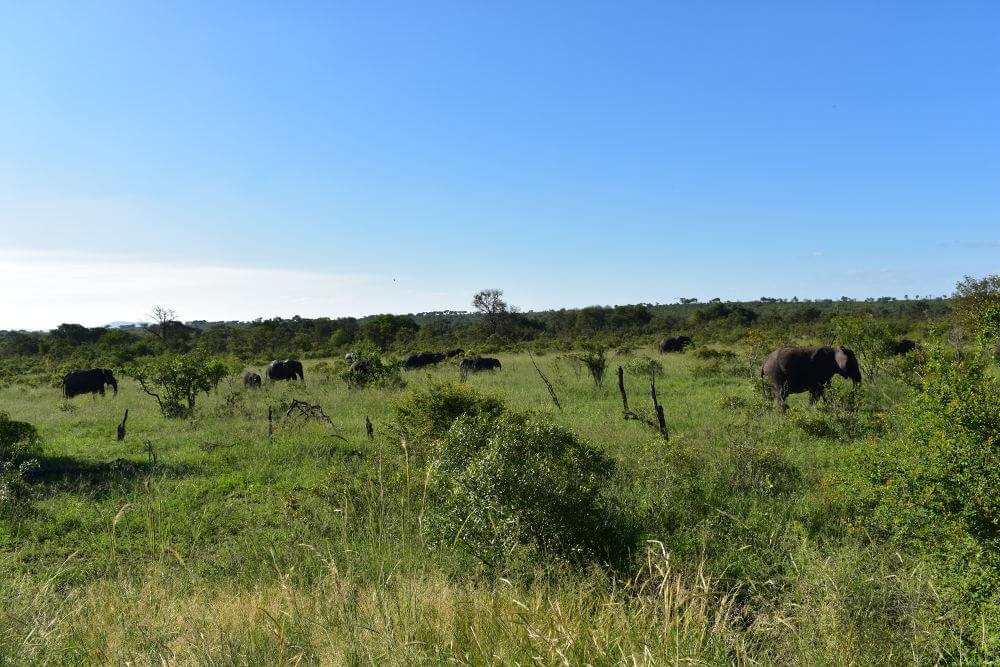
x=815 y=393
x=780 y=393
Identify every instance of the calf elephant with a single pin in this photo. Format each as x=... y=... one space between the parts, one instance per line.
x=286 y=369
x=88 y=382
x=251 y=380
x=793 y=370
x=674 y=343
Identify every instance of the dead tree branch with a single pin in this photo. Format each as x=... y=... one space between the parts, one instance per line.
x=548 y=385
x=660 y=424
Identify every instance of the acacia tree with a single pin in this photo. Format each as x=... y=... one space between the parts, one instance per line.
x=175 y=380
x=490 y=304
x=162 y=318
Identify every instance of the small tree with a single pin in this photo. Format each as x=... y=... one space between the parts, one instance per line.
x=175 y=380
x=490 y=304
x=383 y=330
x=595 y=359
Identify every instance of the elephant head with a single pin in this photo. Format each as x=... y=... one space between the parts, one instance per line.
x=847 y=364
x=109 y=378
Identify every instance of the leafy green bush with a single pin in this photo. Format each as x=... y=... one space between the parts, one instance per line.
x=516 y=488
x=175 y=380
x=977 y=305
x=935 y=487
x=372 y=371
x=19 y=442
x=427 y=412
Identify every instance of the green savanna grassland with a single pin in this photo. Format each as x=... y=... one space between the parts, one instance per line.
x=815 y=536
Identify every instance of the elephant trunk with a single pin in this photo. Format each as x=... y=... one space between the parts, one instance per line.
x=114 y=386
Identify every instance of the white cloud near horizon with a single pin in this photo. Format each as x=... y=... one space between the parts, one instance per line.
x=42 y=289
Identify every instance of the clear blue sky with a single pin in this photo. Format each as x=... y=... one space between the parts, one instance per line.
x=348 y=158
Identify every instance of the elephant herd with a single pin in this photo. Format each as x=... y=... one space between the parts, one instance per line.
x=787 y=370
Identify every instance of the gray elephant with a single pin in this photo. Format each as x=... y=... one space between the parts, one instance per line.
x=88 y=382
x=286 y=369
x=422 y=359
x=674 y=343
x=251 y=380
x=479 y=364
x=793 y=370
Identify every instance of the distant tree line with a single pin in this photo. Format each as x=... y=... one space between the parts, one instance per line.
x=494 y=325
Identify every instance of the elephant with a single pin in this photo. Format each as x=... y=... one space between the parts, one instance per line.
x=287 y=369
x=360 y=366
x=674 y=343
x=88 y=382
x=793 y=370
x=902 y=346
x=479 y=364
x=251 y=380
x=423 y=359
x=454 y=353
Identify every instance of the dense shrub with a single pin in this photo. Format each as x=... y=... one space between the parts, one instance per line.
x=373 y=371
x=935 y=487
x=977 y=306
x=516 y=488
x=19 y=442
x=427 y=412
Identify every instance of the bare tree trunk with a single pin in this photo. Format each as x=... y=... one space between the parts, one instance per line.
x=657 y=407
x=121 y=427
x=621 y=388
